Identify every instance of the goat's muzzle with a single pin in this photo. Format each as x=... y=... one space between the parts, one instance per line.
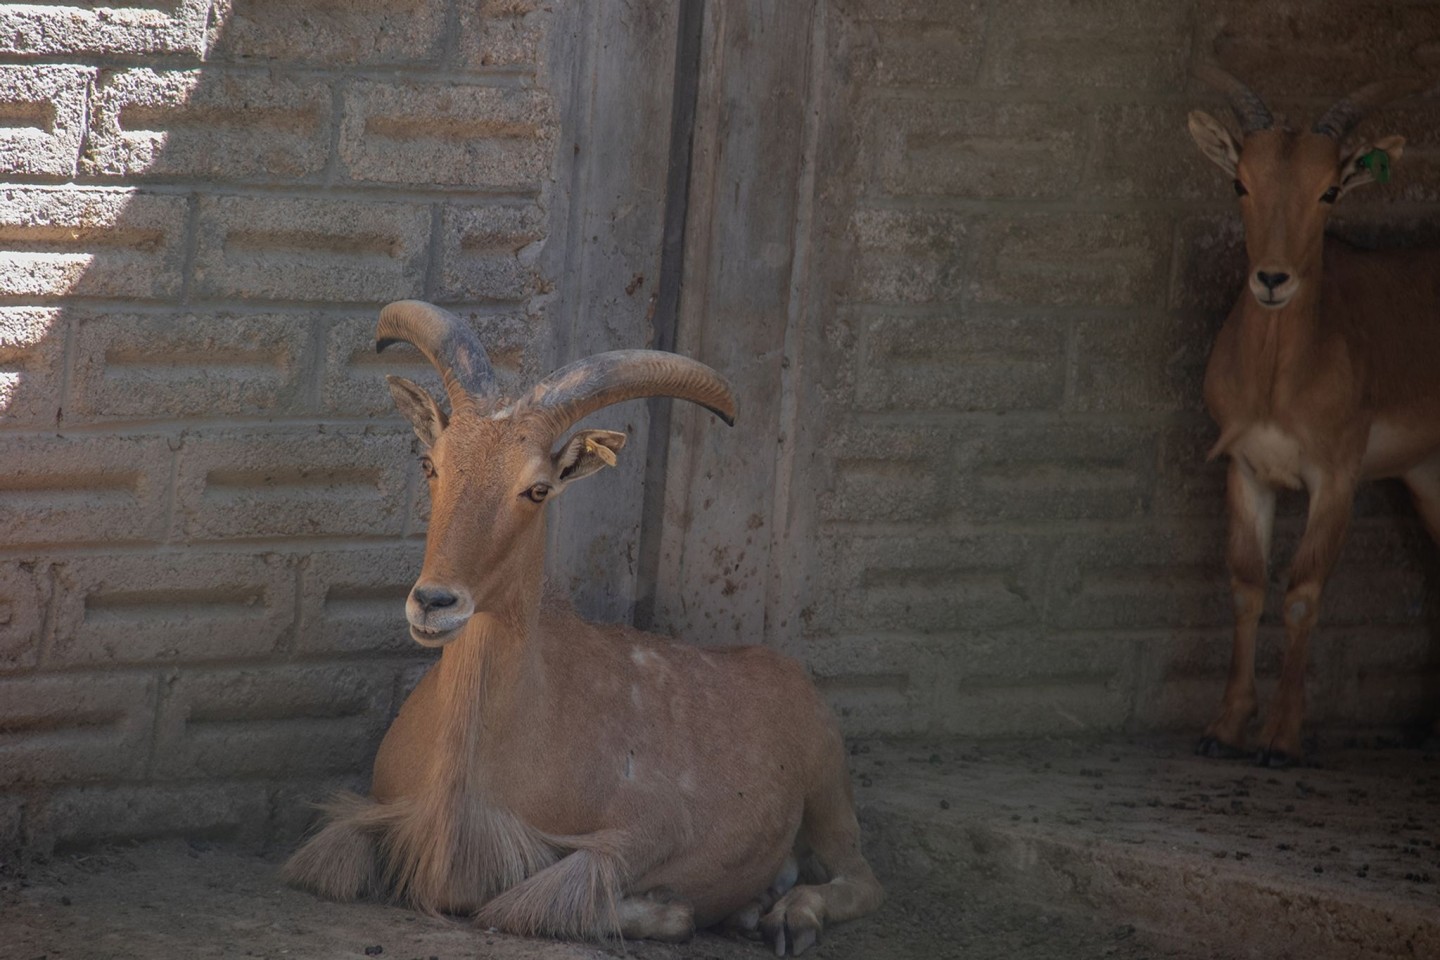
x=437 y=614
x=1273 y=287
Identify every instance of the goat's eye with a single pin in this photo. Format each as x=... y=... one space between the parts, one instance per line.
x=1331 y=195
x=427 y=466
x=537 y=493
x=1240 y=190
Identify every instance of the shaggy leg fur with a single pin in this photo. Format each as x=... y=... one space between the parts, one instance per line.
x=574 y=899
x=339 y=862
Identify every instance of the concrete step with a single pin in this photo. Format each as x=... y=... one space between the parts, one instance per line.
x=1233 y=861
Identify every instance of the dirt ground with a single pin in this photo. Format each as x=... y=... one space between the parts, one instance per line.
x=1048 y=851
x=178 y=900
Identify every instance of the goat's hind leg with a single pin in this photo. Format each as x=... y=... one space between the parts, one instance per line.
x=832 y=834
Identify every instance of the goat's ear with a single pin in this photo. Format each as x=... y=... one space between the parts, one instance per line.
x=1214 y=141
x=1370 y=162
x=419 y=408
x=585 y=453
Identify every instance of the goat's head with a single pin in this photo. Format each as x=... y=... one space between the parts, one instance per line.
x=492 y=466
x=1288 y=181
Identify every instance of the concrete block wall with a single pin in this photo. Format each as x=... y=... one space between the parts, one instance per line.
x=960 y=255
x=209 y=513
x=1020 y=264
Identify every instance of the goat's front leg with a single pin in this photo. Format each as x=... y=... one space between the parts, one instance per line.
x=1331 y=500
x=1252 y=512
x=832 y=834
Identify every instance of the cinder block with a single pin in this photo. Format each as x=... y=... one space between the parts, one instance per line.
x=34 y=30
x=1187 y=485
x=1126 y=44
x=925 y=583
x=1074 y=259
x=1329 y=51
x=354 y=383
x=354 y=600
x=492 y=253
x=503 y=34
x=917 y=45
x=24 y=594
x=447 y=133
x=1387 y=574
x=975 y=149
x=1141 y=361
x=1144 y=152
x=1149 y=577
x=1053 y=470
x=191 y=365
x=75 y=727
x=294 y=483
x=173 y=607
x=79 y=817
x=325 y=250
x=1210 y=256
x=1074 y=708
x=90 y=242
x=83 y=489
x=209 y=125
x=32 y=357
x=359 y=32
x=44 y=114
x=886 y=474
x=276 y=722
x=907 y=256
x=959 y=361
x=12 y=822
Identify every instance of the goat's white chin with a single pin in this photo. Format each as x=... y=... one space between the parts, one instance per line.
x=432 y=637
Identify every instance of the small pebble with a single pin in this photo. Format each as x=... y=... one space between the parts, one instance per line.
x=374 y=951
x=944 y=804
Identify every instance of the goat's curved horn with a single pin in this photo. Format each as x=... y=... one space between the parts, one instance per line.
x=1249 y=109
x=1348 y=111
x=447 y=343
x=581 y=388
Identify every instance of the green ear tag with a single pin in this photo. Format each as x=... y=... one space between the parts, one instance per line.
x=1378 y=163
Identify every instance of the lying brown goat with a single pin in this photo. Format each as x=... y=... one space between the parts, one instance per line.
x=550 y=776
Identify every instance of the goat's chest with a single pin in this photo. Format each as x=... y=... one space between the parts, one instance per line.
x=1275 y=456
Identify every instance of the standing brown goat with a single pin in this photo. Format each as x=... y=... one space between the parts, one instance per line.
x=1325 y=374
x=550 y=776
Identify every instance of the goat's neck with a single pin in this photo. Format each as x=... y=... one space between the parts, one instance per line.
x=487 y=676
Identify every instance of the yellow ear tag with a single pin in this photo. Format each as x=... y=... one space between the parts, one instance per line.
x=604 y=453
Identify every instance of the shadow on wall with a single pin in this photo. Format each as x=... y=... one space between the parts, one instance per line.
x=209 y=509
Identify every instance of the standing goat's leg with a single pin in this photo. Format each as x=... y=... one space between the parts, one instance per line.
x=1424 y=484
x=1331 y=500
x=1252 y=511
x=833 y=836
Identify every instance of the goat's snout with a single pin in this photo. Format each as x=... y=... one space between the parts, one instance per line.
x=1273 y=287
x=436 y=613
x=429 y=599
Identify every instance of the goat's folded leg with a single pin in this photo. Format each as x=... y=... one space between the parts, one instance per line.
x=746 y=920
x=832 y=834
x=642 y=918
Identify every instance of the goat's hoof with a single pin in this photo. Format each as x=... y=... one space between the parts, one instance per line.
x=1275 y=758
x=1217 y=749
x=793 y=926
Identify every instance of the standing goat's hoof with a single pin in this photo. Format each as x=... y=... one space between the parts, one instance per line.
x=1217 y=749
x=1275 y=758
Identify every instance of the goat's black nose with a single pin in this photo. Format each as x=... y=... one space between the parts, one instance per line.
x=433 y=598
x=1271 y=280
